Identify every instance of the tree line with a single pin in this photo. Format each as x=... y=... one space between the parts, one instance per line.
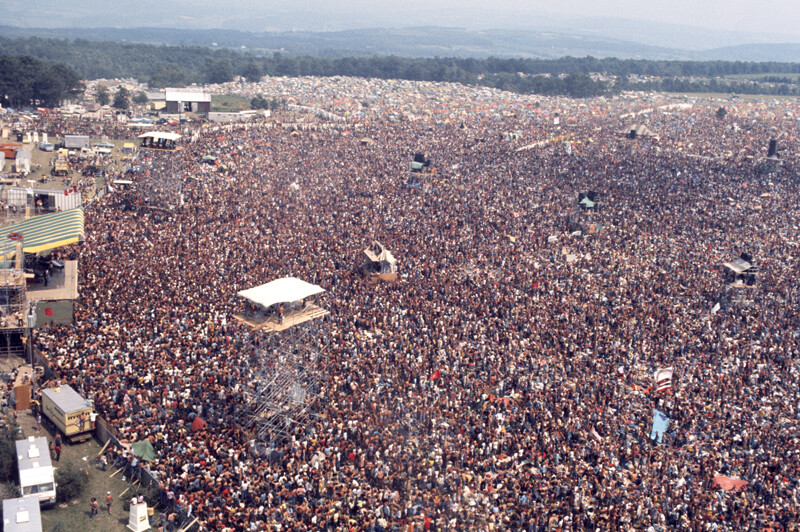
x=175 y=66
x=26 y=81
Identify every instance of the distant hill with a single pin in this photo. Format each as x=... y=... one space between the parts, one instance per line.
x=781 y=53
x=431 y=41
x=413 y=42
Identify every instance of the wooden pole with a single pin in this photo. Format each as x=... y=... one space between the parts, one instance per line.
x=104 y=447
x=115 y=472
x=123 y=493
x=187 y=527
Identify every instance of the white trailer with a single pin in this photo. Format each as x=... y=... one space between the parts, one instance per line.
x=22 y=515
x=36 y=472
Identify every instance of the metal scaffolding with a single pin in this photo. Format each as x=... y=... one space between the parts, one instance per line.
x=286 y=382
x=13 y=305
x=160 y=183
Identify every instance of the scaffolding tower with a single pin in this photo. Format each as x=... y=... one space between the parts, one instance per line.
x=160 y=185
x=286 y=383
x=13 y=305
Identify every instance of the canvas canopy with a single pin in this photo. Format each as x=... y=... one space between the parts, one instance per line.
x=156 y=135
x=280 y=291
x=738 y=266
x=144 y=450
x=641 y=130
x=45 y=232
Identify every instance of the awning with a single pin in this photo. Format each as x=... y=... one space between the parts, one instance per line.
x=45 y=232
x=280 y=291
x=160 y=135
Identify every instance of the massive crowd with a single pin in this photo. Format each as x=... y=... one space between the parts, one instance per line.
x=504 y=382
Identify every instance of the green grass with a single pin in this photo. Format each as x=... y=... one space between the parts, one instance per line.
x=229 y=103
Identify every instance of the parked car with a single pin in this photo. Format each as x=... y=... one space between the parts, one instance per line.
x=103 y=145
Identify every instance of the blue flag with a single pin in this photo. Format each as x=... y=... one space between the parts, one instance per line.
x=660 y=424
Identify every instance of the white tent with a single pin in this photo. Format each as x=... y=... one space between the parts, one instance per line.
x=156 y=135
x=280 y=291
x=23 y=161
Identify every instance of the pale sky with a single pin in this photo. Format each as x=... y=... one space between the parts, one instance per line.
x=748 y=16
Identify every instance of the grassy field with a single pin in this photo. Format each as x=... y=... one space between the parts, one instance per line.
x=229 y=103
x=40 y=164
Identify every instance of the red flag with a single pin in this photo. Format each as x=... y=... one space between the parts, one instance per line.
x=536 y=284
x=48 y=312
x=66 y=192
x=436 y=375
x=15 y=236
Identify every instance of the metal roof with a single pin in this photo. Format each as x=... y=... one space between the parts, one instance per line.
x=22 y=514
x=33 y=454
x=66 y=398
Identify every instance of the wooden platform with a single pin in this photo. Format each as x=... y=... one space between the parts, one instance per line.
x=63 y=284
x=311 y=312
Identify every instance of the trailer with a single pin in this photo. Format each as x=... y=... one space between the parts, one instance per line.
x=22 y=515
x=61 y=165
x=36 y=472
x=69 y=411
x=73 y=142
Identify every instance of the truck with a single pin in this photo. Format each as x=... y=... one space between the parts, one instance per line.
x=61 y=166
x=36 y=472
x=69 y=412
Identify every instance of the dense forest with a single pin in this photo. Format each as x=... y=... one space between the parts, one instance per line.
x=162 y=66
x=25 y=81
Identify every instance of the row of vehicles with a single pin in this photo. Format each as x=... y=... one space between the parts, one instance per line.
x=73 y=416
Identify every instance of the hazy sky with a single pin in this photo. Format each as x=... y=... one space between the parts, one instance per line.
x=749 y=16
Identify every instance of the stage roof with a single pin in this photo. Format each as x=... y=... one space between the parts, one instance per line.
x=45 y=232
x=160 y=135
x=280 y=291
x=738 y=266
x=379 y=253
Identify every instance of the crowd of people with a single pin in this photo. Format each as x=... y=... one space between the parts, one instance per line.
x=504 y=382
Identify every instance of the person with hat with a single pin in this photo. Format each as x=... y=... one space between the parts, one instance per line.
x=109 y=501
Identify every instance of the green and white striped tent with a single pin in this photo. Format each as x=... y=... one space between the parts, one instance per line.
x=42 y=233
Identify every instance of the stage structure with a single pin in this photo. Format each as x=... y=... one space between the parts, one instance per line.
x=161 y=184
x=13 y=305
x=379 y=263
x=741 y=277
x=286 y=382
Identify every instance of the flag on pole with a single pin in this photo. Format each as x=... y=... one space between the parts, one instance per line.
x=48 y=312
x=663 y=378
x=436 y=375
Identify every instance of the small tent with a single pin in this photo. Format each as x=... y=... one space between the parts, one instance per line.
x=23 y=161
x=198 y=424
x=143 y=450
